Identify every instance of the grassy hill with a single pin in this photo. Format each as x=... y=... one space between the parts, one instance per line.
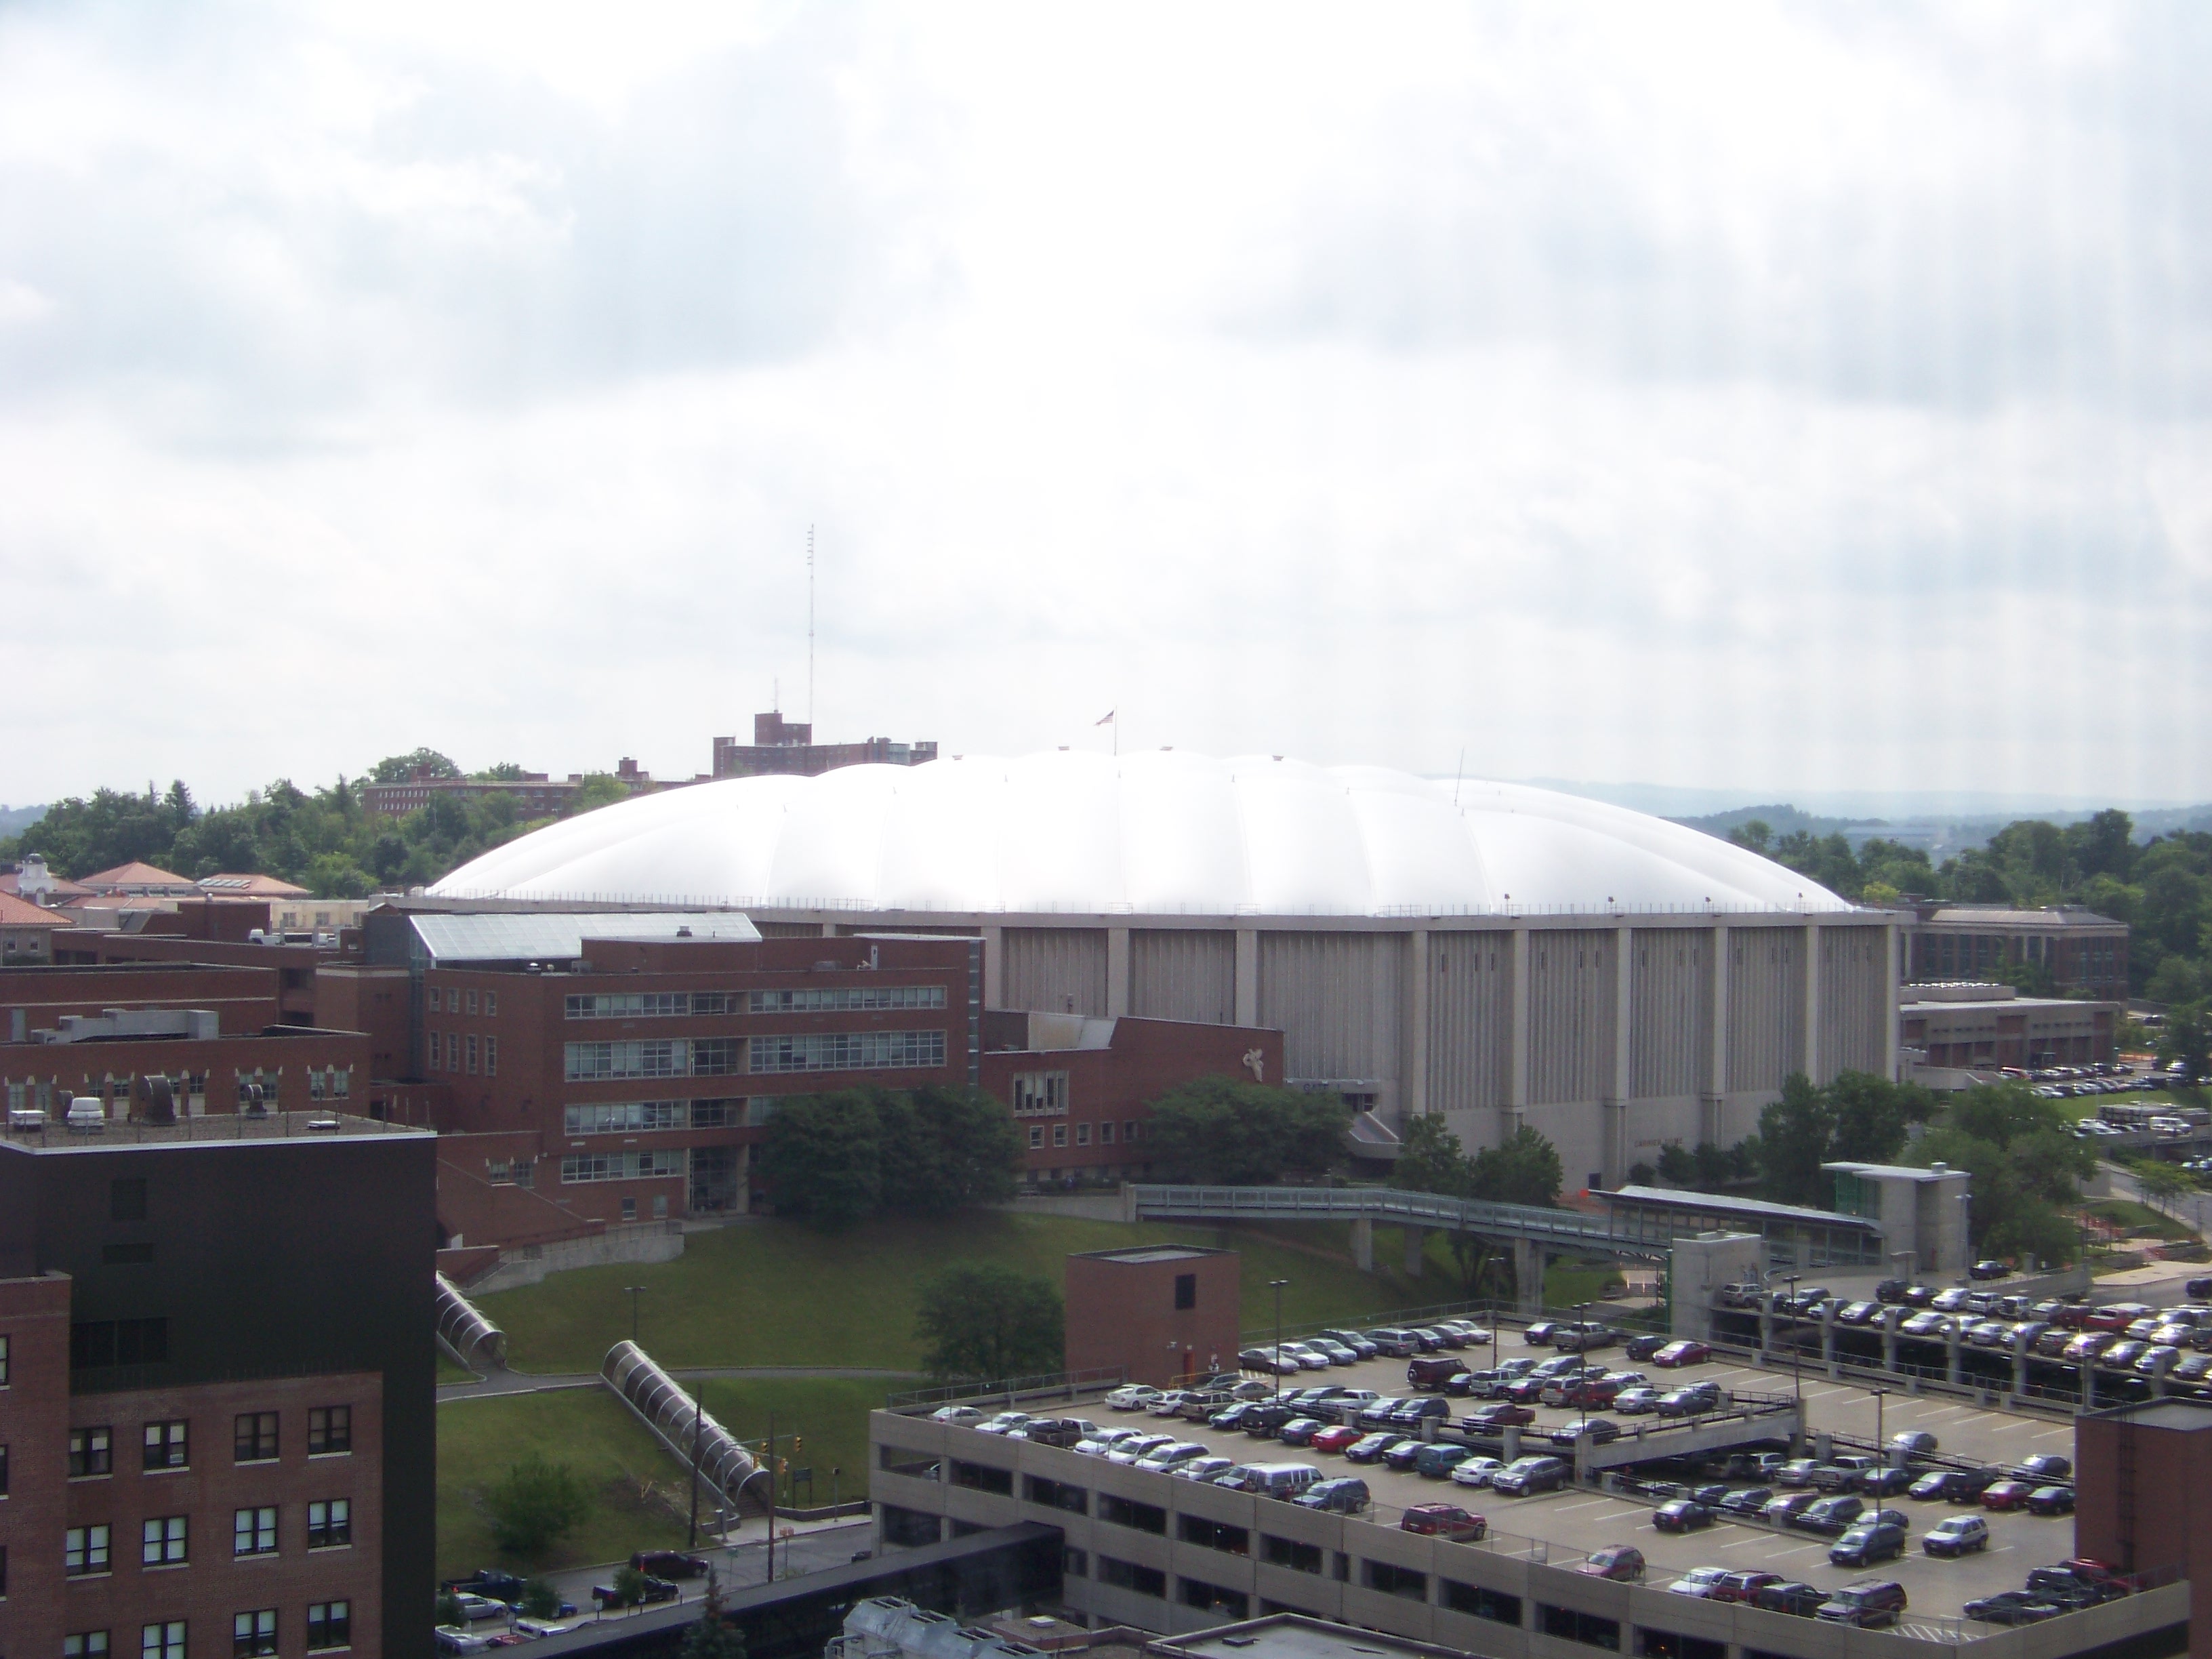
x=778 y=1293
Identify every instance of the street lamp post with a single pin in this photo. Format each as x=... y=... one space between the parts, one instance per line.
x=1276 y=1286
x=636 y=1292
x=1797 y=1357
x=1582 y=1375
x=1880 y=1445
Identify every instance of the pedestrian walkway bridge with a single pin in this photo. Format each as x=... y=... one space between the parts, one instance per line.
x=1639 y=1222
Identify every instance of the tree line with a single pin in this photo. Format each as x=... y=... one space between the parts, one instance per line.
x=323 y=840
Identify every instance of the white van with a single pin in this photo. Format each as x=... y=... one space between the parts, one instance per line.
x=1283 y=1480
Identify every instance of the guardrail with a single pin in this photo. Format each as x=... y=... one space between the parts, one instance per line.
x=1566 y=1228
x=1069 y=1385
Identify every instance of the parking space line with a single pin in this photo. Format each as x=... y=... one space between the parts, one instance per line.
x=2007 y=1428
x=1591 y=1504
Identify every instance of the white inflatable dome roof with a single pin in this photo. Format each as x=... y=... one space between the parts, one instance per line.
x=1160 y=833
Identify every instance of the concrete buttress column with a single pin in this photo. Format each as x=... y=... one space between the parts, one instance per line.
x=1417 y=1239
x=994 y=967
x=1529 y=1274
x=1248 y=977
x=1613 y=1148
x=1362 y=1243
x=1716 y=1089
x=1813 y=1001
x=1893 y=945
x=1415 y=1069
x=1516 y=1069
x=1117 y=972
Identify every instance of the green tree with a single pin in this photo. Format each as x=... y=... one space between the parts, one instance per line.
x=501 y=772
x=540 y=1599
x=1795 y=1133
x=2026 y=1165
x=1430 y=1159
x=981 y=1321
x=398 y=769
x=2160 y=1183
x=713 y=1636
x=1523 y=1169
x=449 y=1610
x=535 y=1505
x=822 y=1157
x=1222 y=1132
x=954 y=1148
x=597 y=790
x=628 y=1586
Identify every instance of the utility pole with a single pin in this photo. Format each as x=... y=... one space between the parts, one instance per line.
x=771 y=1497
x=636 y=1292
x=698 y=1427
x=1276 y=1286
x=810 y=630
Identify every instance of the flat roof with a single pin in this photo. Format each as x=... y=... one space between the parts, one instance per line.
x=2162 y=1414
x=1292 y=1636
x=1898 y=1171
x=559 y=935
x=1152 y=1253
x=226 y=1129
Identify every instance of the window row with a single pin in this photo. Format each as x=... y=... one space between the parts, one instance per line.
x=252 y=1634
x=459 y=999
x=591 y=1062
x=166 y=1540
x=167 y=1444
x=634 y=1116
x=849 y=1051
x=461 y=1052
x=666 y=1004
x=580 y=1167
x=1129 y=1134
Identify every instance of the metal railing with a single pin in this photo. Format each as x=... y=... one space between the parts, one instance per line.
x=1050 y=1385
x=1569 y=1228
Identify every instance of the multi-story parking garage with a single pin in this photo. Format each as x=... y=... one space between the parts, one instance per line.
x=1498 y=954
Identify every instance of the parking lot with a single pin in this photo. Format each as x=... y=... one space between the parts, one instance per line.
x=1576 y=1522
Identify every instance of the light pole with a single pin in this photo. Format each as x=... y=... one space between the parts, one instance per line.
x=636 y=1292
x=1276 y=1286
x=1880 y=1445
x=1797 y=1376
x=1582 y=1375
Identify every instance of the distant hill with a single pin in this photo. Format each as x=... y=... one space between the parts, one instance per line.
x=14 y=820
x=1780 y=817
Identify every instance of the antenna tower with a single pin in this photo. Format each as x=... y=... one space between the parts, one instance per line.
x=809 y=626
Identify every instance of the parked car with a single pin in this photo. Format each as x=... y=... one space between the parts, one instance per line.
x=1868 y=1606
x=1865 y=1546
x=1797 y=1472
x=1355 y=1340
x=1447 y=1521
x=1500 y=1415
x=1677 y=1354
x=1395 y=1342
x=490 y=1584
x=1401 y=1456
x=1984 y=1271
x=1336 y=1439
x=1957 y=1534
x=1690 y=1402
x=1914 y=1443
x=1857 y=1313
x=1003 y=1422
x=2048 y=1466
x=1412 y=1413
x=1623 y=1564
x=2012 y=1607
x=1800 y=1599
x=1747 y=1503
x=654 y=1589
x=1598 y=1430
x=1436 y=1461
x=1345 y=1495
x=1232 y=1416
x=1881 y=1483
x=477 y=1609
x=2051 y=1500
x=1643 y=1348
x=452 y=1638
x=1842 y=1474
x=969 y=1414
x=2005 y=1495
x=1370 y=1448
x=1299 y=1430
x=1699 y=1582
x=1432 y=1371
x=1784 y=1509
x=1830 y=1515
x=1165 y=1458
x=1636 y=1402
x=1742 y=1587
x=1530 y=1475
x=1682 y=1515
x=1539 y=1333
x=1476 y=1471
x=664 y=1564
x=1203 y=1469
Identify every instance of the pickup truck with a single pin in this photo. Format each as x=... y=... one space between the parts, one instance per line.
x=656 y=1589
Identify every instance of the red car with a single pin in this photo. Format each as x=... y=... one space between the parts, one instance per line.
x=1599 y=1392
x=1447 y=1521
x=1623 y=1563
x=1681 y=1354
x=1501 y=1417
x=2006 y=1495
x=1742 y=1587
x=1336 y=1438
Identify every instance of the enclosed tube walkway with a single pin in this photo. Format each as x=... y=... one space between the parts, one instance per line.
x=472 y=1339
x=667 y=1410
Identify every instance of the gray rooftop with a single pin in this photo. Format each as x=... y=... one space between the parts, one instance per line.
x=1292 y=1636
x=1997 y=915
x=1713 y=1204
x=558 y=936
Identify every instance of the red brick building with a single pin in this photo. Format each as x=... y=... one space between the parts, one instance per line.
x=1161 y=1312
x=780 y=745
x=217 y=1390
x=2143 y=1492
x=1082 y=1088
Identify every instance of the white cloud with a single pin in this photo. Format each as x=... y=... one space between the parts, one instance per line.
x=1759 y=396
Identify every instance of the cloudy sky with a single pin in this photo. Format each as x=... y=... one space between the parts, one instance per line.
x=1792 y=398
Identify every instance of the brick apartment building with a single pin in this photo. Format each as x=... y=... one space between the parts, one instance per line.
x=1984 y=1027
x=1081 y=1089
x=535 y=794
x=2084 y=953
x=785 y=746
x=217 y=1390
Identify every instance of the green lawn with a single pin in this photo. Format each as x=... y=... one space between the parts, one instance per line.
x=2126 y=1212
x=587 y=1429
x=780 y=1293
x=829 y=1418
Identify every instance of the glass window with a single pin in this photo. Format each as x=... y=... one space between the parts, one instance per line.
x=329 y=1625
x=89 y=1454
x=254 y=1438
x=165 y=1446
x=469 y=1000
x=470 y=1047
x=452 y=1052
x=1037 y=1135
x=329 y=1429
x=491 y=1056
x=1060 y=1134
x=491 y=1005
x=1083 y=1135
x=329 y=1524
x=254 y=1635
x=84 y=1550
x=1106 y=1132
x=621 y=1166
x=849 y=1051
x=1040 y=1094
x=162 y=1641
x=85 y=1645
x=253 y=1531
x=846 y=999
x=3 y=1362
x=623 y=1117
x=162 y=1542
x=437 y=999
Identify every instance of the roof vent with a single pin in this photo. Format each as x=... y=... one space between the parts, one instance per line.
x=1939 y=1168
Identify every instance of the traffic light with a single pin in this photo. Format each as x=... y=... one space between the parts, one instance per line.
x=798 y=1445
